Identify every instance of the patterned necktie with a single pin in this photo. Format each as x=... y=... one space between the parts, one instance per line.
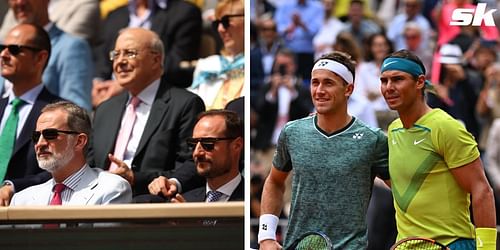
x=8 y=137
x=213 y=196
x=125 y=131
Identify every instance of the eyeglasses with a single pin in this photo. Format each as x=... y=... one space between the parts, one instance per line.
x=224 y=21
x=49 y=134
x=207 y=143
x=129 y=53
x=15 y=49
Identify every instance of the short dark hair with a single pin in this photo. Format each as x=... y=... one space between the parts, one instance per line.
x=41 y=40
x=342 y=58
x=406 y=54
x=78 y=117
x=234 y=126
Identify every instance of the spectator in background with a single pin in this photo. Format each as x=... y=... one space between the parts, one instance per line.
x=298 y=22
x=282 y=99
x=413 y=40
x=324 y=40
x=70 y=68
x=488 y=107
x=217 y=143
x=61 y=140
x=177 y=22
x=345 y=42
x=219 y=79
x=23 y=57
x=262 y=56
x=76 y=17
x=358 y=25
x=457 y=91
x=412 y=13
x=147 y=125
x=488 y=103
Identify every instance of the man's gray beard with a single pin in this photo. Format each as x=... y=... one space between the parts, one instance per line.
x=57 y=161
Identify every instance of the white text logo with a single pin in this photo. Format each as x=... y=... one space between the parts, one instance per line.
x=463 y=17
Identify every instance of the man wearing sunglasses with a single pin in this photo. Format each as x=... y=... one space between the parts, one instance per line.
x=147 y=125
x=61 y=142
x=23 y=56
x=70 y=68
x=216 y=146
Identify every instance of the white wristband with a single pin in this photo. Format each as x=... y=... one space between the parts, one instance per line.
x=267 y=227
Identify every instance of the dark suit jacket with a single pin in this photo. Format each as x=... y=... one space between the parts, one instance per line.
x=23 y=166
x=162 y=146
x=199 y=194
x=179 y=27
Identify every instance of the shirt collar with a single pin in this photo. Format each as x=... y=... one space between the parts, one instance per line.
x=229 y=187
x=72 y=181
x=148 y=94
x=28 y=97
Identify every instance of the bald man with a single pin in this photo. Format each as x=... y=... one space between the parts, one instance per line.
x=147 y=125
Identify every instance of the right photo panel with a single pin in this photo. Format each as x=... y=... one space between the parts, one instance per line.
x=374 y=124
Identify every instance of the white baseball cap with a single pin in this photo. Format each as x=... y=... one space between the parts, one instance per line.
x=450 y=54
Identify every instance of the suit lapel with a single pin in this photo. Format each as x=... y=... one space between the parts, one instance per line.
x=238 y=193
x=3 y=105
x=41 y=196
x=159 y=109
x=30 y=124
x=85 y=189
x=113 y=122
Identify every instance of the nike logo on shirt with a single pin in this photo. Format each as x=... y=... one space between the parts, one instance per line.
x=415 y=142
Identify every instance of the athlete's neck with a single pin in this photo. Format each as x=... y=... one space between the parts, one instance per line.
x=411 y=115
x=331 y=123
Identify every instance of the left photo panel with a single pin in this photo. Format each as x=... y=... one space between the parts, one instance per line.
x=122 y=124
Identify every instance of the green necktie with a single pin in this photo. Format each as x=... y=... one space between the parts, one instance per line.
x=8 y=137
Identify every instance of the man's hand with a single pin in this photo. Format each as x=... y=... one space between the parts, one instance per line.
x=178 y=199
x=122 y=170
x=162 y=185
x=270 y=245
x=6 y=193
x=103 y=90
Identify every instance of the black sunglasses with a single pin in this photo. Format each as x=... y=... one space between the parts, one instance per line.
x=207 y=143
x=50 y=134
x=15 y=49
x=224 y=21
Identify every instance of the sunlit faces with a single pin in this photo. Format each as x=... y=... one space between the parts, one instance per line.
x=233 y=36
x=134 y=73
x=28 y=11
x=329 y=92
x=54 y=154
x=217 y=162
x=379 y=47
x=400 y=89
x=20 y=66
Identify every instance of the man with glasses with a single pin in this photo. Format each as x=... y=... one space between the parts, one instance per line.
x=69 y=70
x=216 y=144
x=61 y=141
x=24 y=54
x=177 y=22
x=147 y=125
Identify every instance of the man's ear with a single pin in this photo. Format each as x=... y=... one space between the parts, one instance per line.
x=81 y=141
x=238 y=143
x=421 y=82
